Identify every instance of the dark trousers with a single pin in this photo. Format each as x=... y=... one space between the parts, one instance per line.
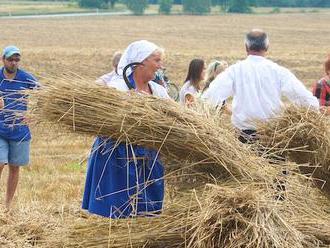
x=248 y=136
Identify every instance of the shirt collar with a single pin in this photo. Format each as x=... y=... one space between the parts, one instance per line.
x=256 y=57
x=3 y=74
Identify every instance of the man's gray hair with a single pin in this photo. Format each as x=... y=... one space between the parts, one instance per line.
x=256 y=40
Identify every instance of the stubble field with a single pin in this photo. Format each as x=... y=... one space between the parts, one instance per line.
x=50 y=191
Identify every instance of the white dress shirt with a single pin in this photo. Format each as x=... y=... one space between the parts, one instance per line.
x=257 y=86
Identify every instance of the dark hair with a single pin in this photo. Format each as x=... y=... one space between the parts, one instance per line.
x=256 y=40
x=195 y=70
x=327 y=65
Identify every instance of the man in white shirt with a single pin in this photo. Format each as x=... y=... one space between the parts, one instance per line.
x=257 y=86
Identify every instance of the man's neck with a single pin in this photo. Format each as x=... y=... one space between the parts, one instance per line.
x=9 y=75
x=257 y=53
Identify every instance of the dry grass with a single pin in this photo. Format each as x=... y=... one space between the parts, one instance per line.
x=85 y=45
x=179 y=133
x=230 y=215
x=50 y=191
x=245 y=213
x=303 y=136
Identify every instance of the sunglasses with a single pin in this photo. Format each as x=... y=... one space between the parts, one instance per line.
x=13 y=59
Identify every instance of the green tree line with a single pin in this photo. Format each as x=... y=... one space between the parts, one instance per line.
x=271 y=3
x=254 y=3
x=225 y=3
x=201 y=7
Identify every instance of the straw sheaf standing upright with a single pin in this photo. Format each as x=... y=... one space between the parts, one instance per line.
x=245 y=216
x=303 y=136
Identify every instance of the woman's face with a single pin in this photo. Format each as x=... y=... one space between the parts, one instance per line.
x=151 y=64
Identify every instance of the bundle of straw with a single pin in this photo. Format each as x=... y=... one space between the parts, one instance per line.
x=250 y=215
x=155 y=232
x=314 y=227
x=179 y=133
x=244 y=214
x=232 y=215
x=303 y=136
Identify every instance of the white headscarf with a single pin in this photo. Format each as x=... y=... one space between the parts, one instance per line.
x=135 y=52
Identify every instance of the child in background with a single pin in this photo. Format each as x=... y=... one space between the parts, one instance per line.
x=193 y=83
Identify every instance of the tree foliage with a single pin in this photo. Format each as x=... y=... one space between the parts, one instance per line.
x=90 y=3
x=272 y=3
x=291 y=3
x=137 y=6
x=97 y=3
x=239 y=6
x=196 y=7
x=165 y=6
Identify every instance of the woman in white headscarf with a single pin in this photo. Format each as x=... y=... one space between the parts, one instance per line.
x=126 y=180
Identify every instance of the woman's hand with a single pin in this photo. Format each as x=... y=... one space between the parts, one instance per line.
x=189 y=100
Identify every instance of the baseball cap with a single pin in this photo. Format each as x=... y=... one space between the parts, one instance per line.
x=9 y=51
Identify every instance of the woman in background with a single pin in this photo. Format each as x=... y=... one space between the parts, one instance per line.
x=213 y=70
x=321 y=89
x=193 y=84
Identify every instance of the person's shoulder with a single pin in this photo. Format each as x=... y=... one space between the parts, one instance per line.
x=322 y=81
x=273 y=64
x=158 y=90
x=235 y=66
x=184 y=85
x=188 y=88
x=281 y=69
x=1 y=74
x=25 y=76
x=108 y=77
x=118 y=83
x=188 y=85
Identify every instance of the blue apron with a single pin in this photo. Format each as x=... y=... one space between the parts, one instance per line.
x=123 y=180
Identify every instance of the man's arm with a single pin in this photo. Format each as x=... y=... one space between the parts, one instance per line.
x=295 y=91
x=220 y=89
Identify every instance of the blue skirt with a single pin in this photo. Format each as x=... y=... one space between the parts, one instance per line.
x=123 y=180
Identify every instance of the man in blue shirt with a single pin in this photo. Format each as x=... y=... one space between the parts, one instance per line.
x=14 y=133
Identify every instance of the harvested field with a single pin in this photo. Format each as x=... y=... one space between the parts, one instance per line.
x=47 y=207
x=85 y=45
